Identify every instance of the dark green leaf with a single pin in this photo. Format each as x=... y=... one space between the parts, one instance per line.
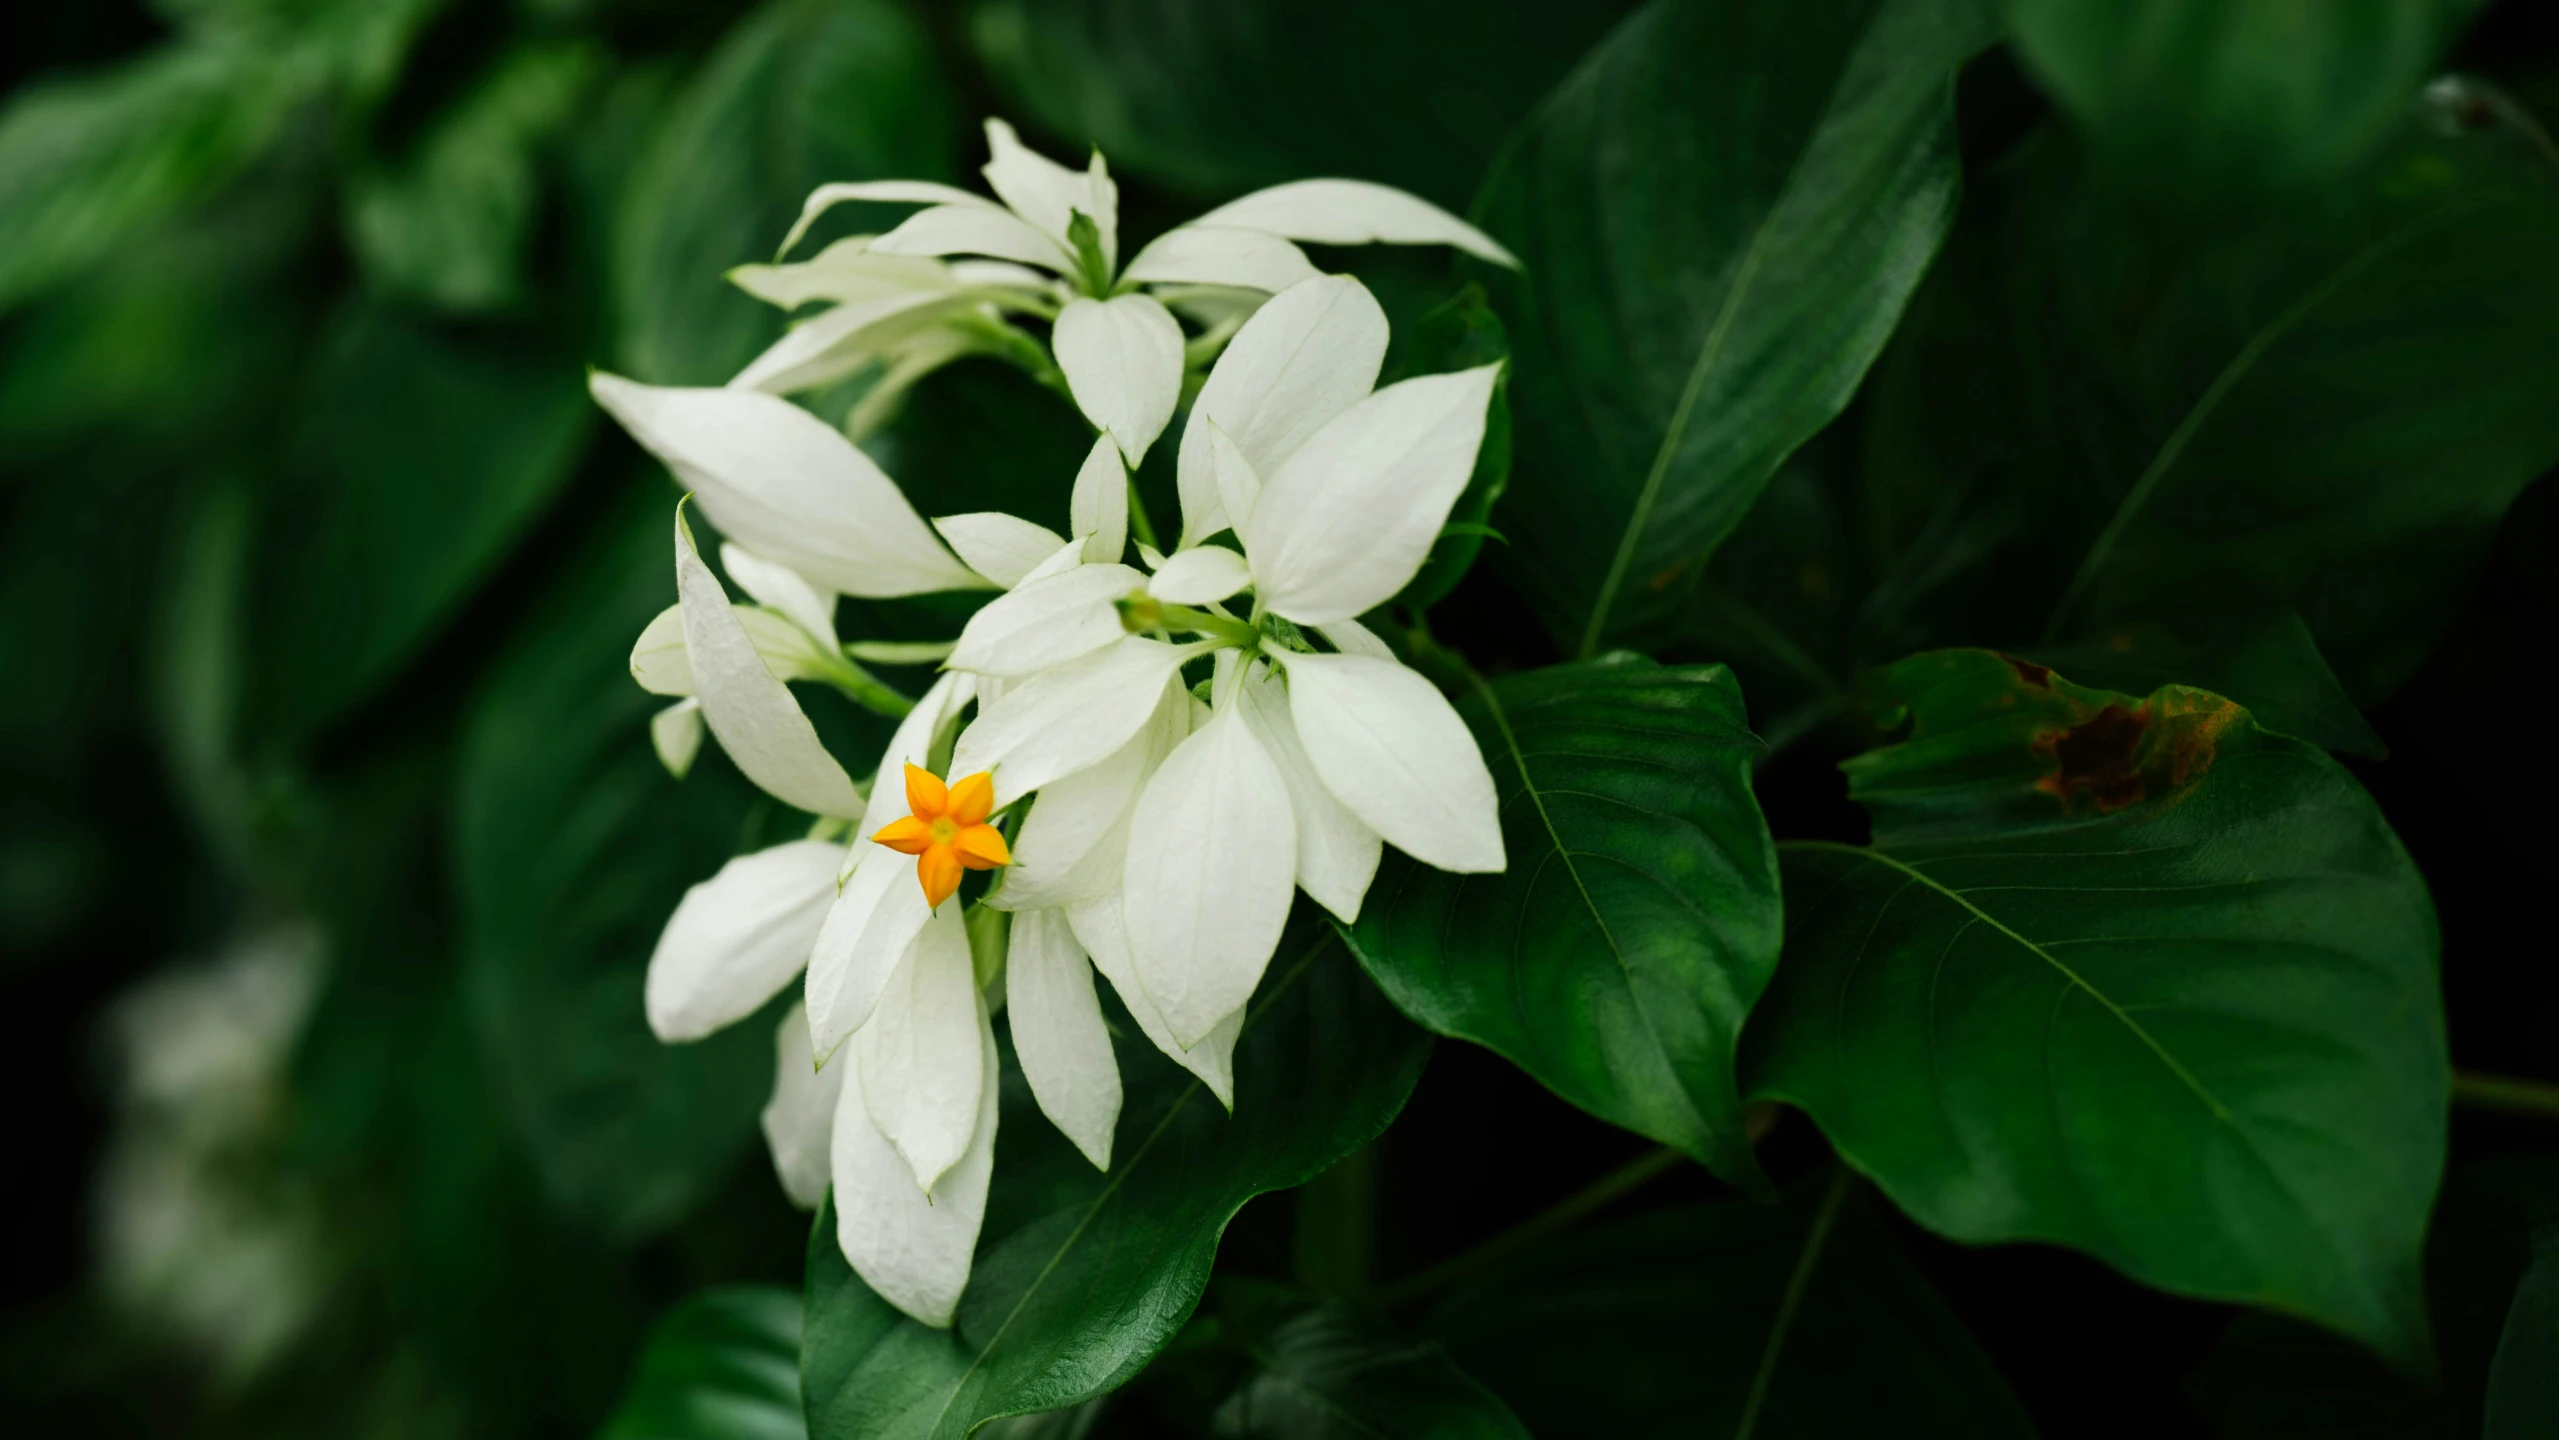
x=1722 y=212
x=452 y=226
x=803 y=92
x=2201 y=94
x=1225 y=98
x=417 y=460
x=572 y=847
x=1762 y=1321
x=86 y=163
x=1459 y=333
x=1638 y=919
x=2090 y=423
x=2133 y=975
x=723 y=1365
x=1334 y=1374
x=1074 y=1302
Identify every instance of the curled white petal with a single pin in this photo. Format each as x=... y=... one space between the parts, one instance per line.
x=1047 y=194
x=1305 y=357
x=1098 y=509
x=782 y=588
x=1123 y=362
x=1059 y=1034
x=760 y=726
x=737 y=938
x=1100 y=926
x=846 y=272
x=1003 y=548
x=1073 y=843
x=1199 y=575
x=830 y=346
x=1047 y=622
x=918 y=1054
x=676 y=734
x=1221 y=255
x=799 y=1121
x=891 y=192
x=1348 y=520
x=1355 y=212
x=1337 y=852
x=972 y=230
x=1212 y=865
x=1390 y=746
x=785 y=484
x=912 y=1246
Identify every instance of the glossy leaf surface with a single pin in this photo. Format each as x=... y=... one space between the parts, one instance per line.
x=1334 y=1374
x=2132 y=975
x=1638 y=918
x=723 y=1365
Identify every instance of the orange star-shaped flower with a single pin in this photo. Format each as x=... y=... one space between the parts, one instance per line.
x=946 y=831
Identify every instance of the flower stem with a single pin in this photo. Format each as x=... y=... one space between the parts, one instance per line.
x=1138 y=523
x=866 y=690
x=2506 y=1094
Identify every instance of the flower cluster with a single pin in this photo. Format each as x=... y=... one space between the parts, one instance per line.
x=1150 y=758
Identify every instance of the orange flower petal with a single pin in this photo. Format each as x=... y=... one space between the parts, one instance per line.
x=924 y=793
x=908 y=835
x=939 y=869
x=973 y=798
x=982 y=847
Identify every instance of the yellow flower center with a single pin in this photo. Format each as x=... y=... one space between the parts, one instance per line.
x=945 y=830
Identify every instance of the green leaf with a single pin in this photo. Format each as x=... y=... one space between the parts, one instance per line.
x=1080 y=1280
x=418 y=458
x=1637 y=920
x=1722 y=213
x=2325 y=409
x=2206 y=94
x=2131 y=975
x=1235 y=96
x=451 y=228
x=801 y=93
x=2278 y=675
x=572 y=847
x=86 y=163
x=1759 y=1322
x=1459 y=333
x=1335 y=1374
x=723 y=1365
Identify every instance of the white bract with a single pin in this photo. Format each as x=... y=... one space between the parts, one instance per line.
x=1306 y=759
x=1048 y=246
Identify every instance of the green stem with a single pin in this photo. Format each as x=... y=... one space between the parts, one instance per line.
x=1138 y=523
x=1796 y=1284
x=864 y=689
x=1561 y=1216
x=2507 y=1094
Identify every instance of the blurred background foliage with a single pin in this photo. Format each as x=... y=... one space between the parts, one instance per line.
x=331 y=845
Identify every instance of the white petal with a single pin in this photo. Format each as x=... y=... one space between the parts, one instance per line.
x=914 y=1248
x=1060 y=721
x=737 y=938
x=1350 y=518
x=868 y=931
x=676 y=734
x=1392 y=748
x=660 y=665
x=1199 y=575
x=1047 y=622
x=758 y=722
x=657 y=657
x=827 y=347
x=918 y=1052
x=1337 y=852
x=914 y=740
x=1123 y=361
x=1003 y=548
x=893 y=192
x=1239 y=486
x=1212 y=865
x=1058 y=1032
x=1301 y=360
x=972 y=230
x=785 y=589
x=998 y=275
x=1354 y=212
x=1046 y=193
x=1219 y=255
x=1073 y=843
x=1352 y=638
x=1098 y=510
x=782 y=482
x=799 y=1121
x=846 y=272
x=1100 y=926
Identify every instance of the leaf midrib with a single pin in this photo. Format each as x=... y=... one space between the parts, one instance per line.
x=1058 y=1257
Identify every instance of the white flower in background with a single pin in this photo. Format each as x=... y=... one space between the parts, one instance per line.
x=1306 y=759
x=1048 y=245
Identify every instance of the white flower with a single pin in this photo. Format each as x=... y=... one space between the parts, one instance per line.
x=1307 y=759
x=1051 y=248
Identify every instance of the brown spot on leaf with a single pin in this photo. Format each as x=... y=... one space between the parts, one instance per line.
x=2039 y=676
x=2099 y=759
